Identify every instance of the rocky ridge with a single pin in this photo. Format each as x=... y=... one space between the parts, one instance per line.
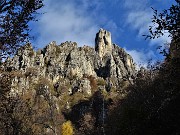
x=72 y=66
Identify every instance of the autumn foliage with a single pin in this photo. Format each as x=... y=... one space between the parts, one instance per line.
x=67 y=128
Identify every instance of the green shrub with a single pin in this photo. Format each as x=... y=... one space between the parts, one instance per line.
x=40 y=87
x=31 y=71
x=31 y=53
x=101 y=82
x=77 y=97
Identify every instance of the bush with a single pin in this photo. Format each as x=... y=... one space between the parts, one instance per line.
x=93 y=82
x=31 y=53
x=58 y=50
x=101 y=82
x=77 y=97
x=67 y=128
x=31 y=71
x=16 y=74
x=44 y=87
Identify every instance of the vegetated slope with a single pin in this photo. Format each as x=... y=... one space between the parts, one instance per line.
x=152 y=105
x=64 y=82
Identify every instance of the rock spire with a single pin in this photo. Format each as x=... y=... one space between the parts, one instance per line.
x=103 y=43
x=74 y=67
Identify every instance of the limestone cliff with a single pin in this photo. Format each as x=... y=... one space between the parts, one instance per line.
x=103 y=42
x=72 y=65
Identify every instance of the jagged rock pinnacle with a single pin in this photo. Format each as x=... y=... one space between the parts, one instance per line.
x=71 y=65
x=103 y=42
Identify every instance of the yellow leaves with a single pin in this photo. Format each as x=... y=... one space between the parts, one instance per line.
x=67 y=128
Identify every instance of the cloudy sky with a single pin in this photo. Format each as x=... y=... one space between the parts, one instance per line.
x=80 y=20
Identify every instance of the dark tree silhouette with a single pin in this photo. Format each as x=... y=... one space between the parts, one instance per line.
x=15 y=16
x=167 y=21
x=152 y=104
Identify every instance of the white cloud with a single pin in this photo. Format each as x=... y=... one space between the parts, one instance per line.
x=71 y=20
x=139 y=20
x=141 y=58
x=66 y=21
x=79 y=20
x=161 y=40
x=139 y=16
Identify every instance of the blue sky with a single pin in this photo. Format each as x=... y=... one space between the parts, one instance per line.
x=80 y=20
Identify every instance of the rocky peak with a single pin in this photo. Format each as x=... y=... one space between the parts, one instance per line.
x=103 y=42
x=76 y=65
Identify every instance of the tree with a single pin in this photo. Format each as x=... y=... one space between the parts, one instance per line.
x=167 y=21
x=15 y=16
x=152 y=103
x=67 y=128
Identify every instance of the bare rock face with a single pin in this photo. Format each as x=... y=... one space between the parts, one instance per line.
x=103 y=42
x=70 y=66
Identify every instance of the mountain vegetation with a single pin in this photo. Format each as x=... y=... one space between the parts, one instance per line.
x=14 y=23
x=65 y=89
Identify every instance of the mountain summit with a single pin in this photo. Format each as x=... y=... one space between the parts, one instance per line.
x=72 y=64
x=103 y=42
x=67 y=82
